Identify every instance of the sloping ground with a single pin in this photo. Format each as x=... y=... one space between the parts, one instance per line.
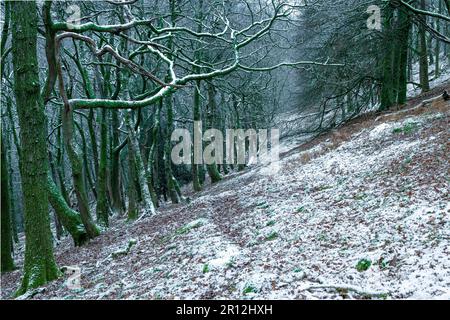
x=374 y=193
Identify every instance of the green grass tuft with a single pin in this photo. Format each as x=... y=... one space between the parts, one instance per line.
x=363 y=264
x=272 y=236
x=407 y=128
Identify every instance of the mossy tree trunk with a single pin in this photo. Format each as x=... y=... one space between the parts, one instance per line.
x=7 y=262
x=152 y=154
x=102 y=201
x=52 y=172
x=197 y=117
x=213 y=171
x=403 y=46
x=240 y=166
x=39 y=264
x=437 y=49
x=117 y=200
x=223 y=126
x=132 y=192
x=77 y=174
x=93 y=137
x=4 y=38
x=423 y=54
x=397 y=25
x=140 y=173
x=60 y=167
x=12 y=199
x=70 y=219
x=196 y=168
x=102 y=209
x=172 y=184
x=84 y=152
x=387 y=87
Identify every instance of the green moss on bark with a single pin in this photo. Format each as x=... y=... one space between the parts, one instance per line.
x=7 y=263
x=213 y=170
x=77 y=175
x=102 y=203
x=39 y=264
x=70 y=219
x=132 y=193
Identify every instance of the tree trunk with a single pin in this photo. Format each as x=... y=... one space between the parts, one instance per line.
x=117 y=200
x=437 y=49
x=70 y=219
x=60 y=167
x=237 y=125
x=423 y=52
x=11 y=171
x=213 y=171
x=93 y=138
x=197 y=117
x=58 y=226
x=39 y=264
x=387 y=92
x=84 y=152
x=404 y=31
x=102 y=201
x=7 y=262
x=152 y=154
x=172 y=183
x=132 y=194
x=77 y=173
x=139 y=167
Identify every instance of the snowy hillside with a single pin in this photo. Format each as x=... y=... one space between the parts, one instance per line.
x=362 y=212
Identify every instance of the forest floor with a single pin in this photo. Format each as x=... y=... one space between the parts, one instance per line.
x=359 y=212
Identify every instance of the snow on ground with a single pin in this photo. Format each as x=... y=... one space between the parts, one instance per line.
x=379 y=200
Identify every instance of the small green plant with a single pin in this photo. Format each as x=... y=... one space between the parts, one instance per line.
x=182 y=230
x=262 y=205
x=407 y=128
x=270 y=223
x=230 y=263
x=157 y=296
x=205 y=268
x=383 y=264
x=125 y=251
x=323 y=237
x=171 y=247
x=250 y=289
x=324 y=187
x=192 y=225
x=361 y=196
x=301 y=209
x=408 y=160
x=363 y=264
x=272 y=236
x=383 y=296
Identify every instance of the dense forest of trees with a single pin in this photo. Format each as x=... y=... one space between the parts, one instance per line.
x=92 y=91
x=379 y=64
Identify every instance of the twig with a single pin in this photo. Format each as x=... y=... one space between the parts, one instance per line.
x=348 y=288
